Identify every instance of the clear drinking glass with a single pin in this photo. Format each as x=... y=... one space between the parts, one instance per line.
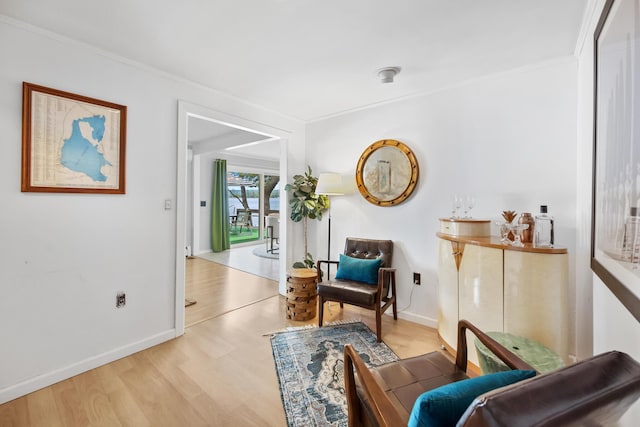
x=504 y=233
x=517 y=229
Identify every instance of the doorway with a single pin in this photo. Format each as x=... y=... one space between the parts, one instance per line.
x=240 y=142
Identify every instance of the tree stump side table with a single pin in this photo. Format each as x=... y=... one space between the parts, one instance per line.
x=302 y=293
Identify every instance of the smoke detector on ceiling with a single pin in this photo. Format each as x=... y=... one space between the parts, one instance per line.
x=387 y=74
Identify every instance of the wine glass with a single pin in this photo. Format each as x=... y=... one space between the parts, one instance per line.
x=470 y=202
x=456 y=204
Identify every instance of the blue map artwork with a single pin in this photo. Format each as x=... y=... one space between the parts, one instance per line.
x=80 y=155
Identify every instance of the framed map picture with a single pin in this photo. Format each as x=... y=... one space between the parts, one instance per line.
x=71 y=143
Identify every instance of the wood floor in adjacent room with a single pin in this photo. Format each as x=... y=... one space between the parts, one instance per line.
x=206 y=284
x=220 y=373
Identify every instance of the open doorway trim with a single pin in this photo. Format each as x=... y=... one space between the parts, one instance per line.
x=186 y=110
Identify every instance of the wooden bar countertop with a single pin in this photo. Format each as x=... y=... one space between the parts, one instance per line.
x=494 y=242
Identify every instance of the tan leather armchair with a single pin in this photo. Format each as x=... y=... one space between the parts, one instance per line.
x=594 y=392
x=378 y=297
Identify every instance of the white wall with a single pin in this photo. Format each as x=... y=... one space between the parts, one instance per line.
x=63 y=257
x=509 y=139
x=206 y=187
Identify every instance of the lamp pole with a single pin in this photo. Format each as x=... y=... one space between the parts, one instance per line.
x=329 y=243
x=329 y=237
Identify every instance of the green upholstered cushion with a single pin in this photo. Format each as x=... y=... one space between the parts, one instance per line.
x=358 y=269
x=445 y=405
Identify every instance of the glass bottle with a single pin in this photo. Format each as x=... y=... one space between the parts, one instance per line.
x=631 y=240
x=543 y=229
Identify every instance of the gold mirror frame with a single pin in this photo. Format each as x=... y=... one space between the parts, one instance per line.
x=387 y=173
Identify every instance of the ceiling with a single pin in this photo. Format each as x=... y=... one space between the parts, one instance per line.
x=213 y=139
x=309 y=59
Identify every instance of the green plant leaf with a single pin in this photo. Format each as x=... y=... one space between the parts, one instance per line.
x=304 y=203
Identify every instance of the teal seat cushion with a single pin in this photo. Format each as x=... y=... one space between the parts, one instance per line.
x=358 y=269
x=443 y=406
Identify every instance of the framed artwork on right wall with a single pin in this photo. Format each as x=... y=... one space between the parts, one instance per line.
x=615 y=237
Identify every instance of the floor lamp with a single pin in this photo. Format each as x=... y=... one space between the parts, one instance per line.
x=329 y=184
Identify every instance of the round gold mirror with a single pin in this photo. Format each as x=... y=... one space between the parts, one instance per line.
x=387 y=172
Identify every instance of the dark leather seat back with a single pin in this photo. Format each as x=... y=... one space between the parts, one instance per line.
x=370 y=249
x=593 y=392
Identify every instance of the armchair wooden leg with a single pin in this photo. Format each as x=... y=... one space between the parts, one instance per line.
x=379 y=324
x=394 y=296
x=320 y=310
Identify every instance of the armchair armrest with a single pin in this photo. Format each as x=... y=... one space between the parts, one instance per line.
x=510 y=359
x=382 y=408
x=386 y=276
x=324 y=261
x=386 y=271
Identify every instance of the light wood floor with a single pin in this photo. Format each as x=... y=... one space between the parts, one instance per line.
x=206 y=281
x=220 y=373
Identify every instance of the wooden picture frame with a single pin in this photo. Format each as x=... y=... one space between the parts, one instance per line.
x=387 y=172
x=71 y=143
x=616 y=156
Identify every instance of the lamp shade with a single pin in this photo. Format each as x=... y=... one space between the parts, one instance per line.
x=330 y=184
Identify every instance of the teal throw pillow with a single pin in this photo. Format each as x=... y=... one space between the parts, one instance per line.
x=358 y=269
x=445 y=405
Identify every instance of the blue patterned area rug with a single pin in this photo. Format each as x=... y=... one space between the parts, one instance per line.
x=310 y=367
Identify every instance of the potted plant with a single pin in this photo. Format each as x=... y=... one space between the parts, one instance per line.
x=305 y=204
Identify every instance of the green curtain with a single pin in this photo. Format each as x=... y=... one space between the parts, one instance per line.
x=219 y=208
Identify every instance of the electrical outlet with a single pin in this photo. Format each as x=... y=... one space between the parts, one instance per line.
x=121 y=300
x=416 y=278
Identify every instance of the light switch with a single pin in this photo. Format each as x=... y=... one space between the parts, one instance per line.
x=167 y=204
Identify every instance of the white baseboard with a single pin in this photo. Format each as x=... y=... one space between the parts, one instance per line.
x=415 y=318
x=45 y=380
